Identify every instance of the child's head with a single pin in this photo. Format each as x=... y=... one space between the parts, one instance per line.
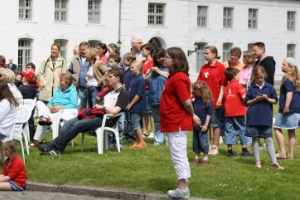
x=289 y=67
x=113 y=48
x=248 y=58
x=136 y=67
x=9 y=148
x=113 y=60
x=159 y=56
x=232 y=73
x=259 y=75
x=211 y=53
x=201 y=89
x=128 y=58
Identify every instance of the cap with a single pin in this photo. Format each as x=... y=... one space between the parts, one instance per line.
x=29 y=76
x=291 y=61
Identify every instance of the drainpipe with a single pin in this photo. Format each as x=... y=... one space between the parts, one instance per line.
x=119 y=43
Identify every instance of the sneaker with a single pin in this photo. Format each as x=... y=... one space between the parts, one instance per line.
x=33 y=144
x=258 y=164
x=276 y=165
x=44 y=147
x=52 y=152
x=233 y=154
x=221 y=140
x=214 y=151
x=175 y=194
x=44 y=120
x=248 y=153
x=263 y=146
x=142 y=144
x=151 y=135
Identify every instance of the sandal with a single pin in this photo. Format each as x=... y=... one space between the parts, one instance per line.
x=195 y=161
x=204 y=162
x=290 y=157
x=44 y=120
x=281 y=155
x=258 y=164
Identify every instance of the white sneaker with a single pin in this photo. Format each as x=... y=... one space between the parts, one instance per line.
x=214 y=151
x=151 y=135
x=175 y=194
x=220 y=140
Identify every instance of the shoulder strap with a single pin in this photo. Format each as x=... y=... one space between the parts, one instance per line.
x=229 y=63
x=46 y=62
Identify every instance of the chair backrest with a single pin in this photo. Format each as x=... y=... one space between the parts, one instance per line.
x=23 y=114
x=30 y=103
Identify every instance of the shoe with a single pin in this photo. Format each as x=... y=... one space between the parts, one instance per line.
x=276 y=165
x=140 y=145
x=175 y=194
x=233 y=154
x=290 y=157
x=151 y=135
x=44 y=120
x=44 y=147
x=258 y=164
x=263 y=146
x=53 y=152
x=33 y=144
x=195 y=161
x=145 y=135
x=134 y=145
x=204 y=162
x=220 y=140
x=214 y=151
x=248 y=153
x=281 y=155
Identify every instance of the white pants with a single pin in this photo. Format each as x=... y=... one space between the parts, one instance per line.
x=178 y=151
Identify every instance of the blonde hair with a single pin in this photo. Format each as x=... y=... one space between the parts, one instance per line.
x=249 y=58
x=139 y=64
x=201 y=89
x=12 y=148
x=214 y=50
x=92 y=52
x=8 y=75
x=257 y=70
x=293 y=76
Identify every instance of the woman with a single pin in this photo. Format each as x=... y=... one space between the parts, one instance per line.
x=235 y=55
x=2 y=62
x=156 y=80
x=112 y=48
x=9 y=76
x=65 y=97
x=95 y=76
x=102 y=49
x=147 y=52
x=49 y=73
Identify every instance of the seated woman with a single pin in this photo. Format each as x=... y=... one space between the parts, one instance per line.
x=65 y=97
x=9 y=77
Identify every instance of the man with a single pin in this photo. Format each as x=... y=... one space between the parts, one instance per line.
x=267 y=62
x=78 y=68
x=11 y=65
x=115 y=101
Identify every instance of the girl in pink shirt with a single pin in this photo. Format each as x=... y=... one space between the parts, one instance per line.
x=246 y=72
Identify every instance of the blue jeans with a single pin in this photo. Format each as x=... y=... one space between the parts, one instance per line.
x=200 y=141
x=233 y=125
x=128 y=132
x=158 y=136
x=92 y=93
x=135 y=121
x=70 y=130
x=111 y=135
x=82 y=95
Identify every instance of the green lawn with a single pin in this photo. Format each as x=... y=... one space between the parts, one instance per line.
x=150 y=170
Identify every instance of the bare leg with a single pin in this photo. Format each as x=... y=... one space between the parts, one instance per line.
x=139 y=136
x=292 y=143
x=152 y=123
x=182 y=184
x=5 y=186
x=280 y=140
x=145 y=119
x=216 y=135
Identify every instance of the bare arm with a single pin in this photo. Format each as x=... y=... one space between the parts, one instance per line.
x=219 y=101
x=135 y=99
x=4 y=178
x=288 y=100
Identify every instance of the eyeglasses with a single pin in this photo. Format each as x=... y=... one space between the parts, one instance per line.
x=167 y=57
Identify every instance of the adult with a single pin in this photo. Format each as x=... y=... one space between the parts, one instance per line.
x=213 y=74
x=75 y=52
x=95 y=76
x=65 y=97
x=136 y=43
x=78 y=68
x=115 y=101
x=102 y=49
x=235 y=55
x=2 y=62
x=9 y=77
x=112 y=48
x=49 y=73
x=147 y=52
x=156 y=79
x=267 y=62
x=11 y=65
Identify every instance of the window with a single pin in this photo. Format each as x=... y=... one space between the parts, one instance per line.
x=156 y=14
x=200 y=60
x=227 y=17
x=25 y=8
x=250 y=45
x=63 y=48
x=226 y=51
x=61 y=10
x=24 y=53
x=291 y=18
x=290 y=51
x=93 y=43
x=94 y=11
x=202 y=16
x=252 y=19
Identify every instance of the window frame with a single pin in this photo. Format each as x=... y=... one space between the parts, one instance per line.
x=60 y=10
x=226 y=52
x=93 y=11
x=226 y=18
x=155 y=14
x=91 y=42
x=291 y=23
x=291 y=52
x=200 y=60
x=201 y=17
x=25 y=59
x=25 y=8
x=251 y=18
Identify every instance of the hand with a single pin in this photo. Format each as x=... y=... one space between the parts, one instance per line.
x=259 y=97
x=286 y=110
x=98 y=106
x=129 y=107
x=218 y=104
x=204 y=128
x=196 y=120
x=265 y=97
x=155 y=69
x=57 y=108
x=19 y=77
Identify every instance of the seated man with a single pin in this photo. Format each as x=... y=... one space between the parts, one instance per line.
x=115 y=101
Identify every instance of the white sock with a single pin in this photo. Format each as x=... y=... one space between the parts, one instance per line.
x=205 y=158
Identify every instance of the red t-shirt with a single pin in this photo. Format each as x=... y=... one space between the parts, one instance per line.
x=147 y=66
x=214 y=77
x=17 y=171
x=233 y=102
x=173 y=116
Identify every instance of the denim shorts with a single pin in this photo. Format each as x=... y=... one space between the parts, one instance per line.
x=287 y=121
x=15 y=186
x=233 y=125
x=135 y=121
x=259 y=131
x=148 y=107
x=215 y=117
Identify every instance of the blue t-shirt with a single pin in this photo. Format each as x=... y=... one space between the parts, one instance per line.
x=260 y=113
x=201 y=111
x=127 y=79
x=156 y=84
x=295 y=102
x=137 y=87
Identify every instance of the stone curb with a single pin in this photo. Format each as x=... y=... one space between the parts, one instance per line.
x=97 y=192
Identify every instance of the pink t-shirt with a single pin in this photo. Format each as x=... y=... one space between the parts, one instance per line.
x=104 y=58
x=245 y=75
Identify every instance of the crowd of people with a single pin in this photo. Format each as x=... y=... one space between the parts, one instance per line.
x=152 y=89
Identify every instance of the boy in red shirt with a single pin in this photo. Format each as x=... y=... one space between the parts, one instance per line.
x=235 y=111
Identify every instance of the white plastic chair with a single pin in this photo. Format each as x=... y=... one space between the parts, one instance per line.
x=101 y=133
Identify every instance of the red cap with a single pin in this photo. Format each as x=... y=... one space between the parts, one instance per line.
x=29 y=76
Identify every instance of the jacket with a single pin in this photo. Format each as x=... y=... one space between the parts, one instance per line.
x=78 y=71
x=100 y=71
x=49 y=76
x=268 y=63
x=67 y=99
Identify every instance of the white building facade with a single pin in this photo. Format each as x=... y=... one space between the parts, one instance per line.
x=29 y=27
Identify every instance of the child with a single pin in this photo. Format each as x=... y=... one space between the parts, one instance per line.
x=259 y=99
x=137 y=105
x=289 y=108
x=203 y=109
x=235 y=112
x=246 y=72
x=177 y=116
x=113 y=60
x=13 y=175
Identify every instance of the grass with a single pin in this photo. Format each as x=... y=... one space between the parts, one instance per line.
x=151 y=170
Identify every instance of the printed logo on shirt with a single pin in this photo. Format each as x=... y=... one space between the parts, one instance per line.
x=230 y=95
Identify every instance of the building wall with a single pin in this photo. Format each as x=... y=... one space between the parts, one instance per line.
x=180 y=26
